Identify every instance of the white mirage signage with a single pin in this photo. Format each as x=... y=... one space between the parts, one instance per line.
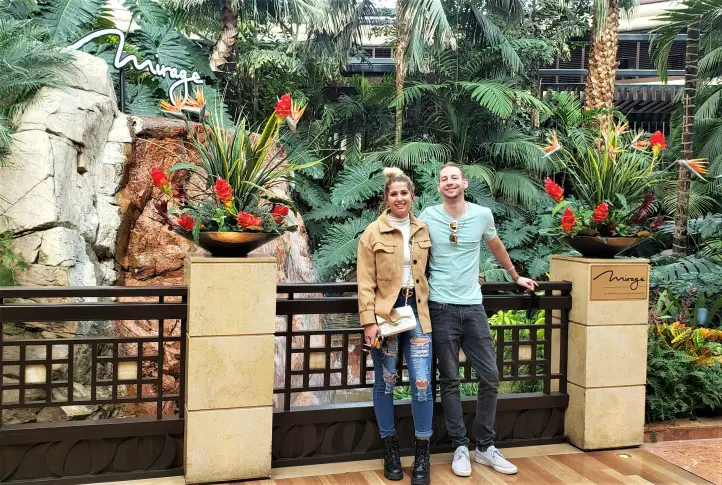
x=181 y=77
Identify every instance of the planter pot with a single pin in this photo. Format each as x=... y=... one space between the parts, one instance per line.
x=601 y=247
x=233 y=244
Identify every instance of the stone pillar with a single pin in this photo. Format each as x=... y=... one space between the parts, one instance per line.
x=229 y=368
x=607 y=357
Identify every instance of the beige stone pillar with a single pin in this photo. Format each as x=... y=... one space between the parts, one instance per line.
x=229 y=368
x=607 y=356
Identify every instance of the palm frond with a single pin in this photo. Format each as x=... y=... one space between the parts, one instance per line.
x=147 y=11
x=518 y=188
x=408 y=154
x=339 y=246
x=357 y=183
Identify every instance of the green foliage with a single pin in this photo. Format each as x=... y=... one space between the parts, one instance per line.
x=30 y=61
x=676 y=387
x=10 y=261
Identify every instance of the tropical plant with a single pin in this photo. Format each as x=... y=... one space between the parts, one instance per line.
x=10 y=261
x=601 y=74
x=30 y=61
x=612 y=176
x=695 y=16
x=232 y=190
x=676 y=387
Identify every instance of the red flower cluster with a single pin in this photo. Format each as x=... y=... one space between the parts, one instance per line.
x=279 y=213
x=553 y=189
x=249 y=220
x=186 y=222
x=160 y=180
x=283 y=107
x=657 y=140
x=600 y=212
x=568 y=220
x=224 y=191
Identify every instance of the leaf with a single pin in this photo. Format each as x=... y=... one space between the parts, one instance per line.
x=148 y=11
x=538 y=265
x=340 y=244
x=327 y=211
x=494 y=96
x=141 y=99
x=69 y=20
x=186 y=166
x=357 y=183
x=516 y=233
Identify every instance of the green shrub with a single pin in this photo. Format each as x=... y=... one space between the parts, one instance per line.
x=676 y=387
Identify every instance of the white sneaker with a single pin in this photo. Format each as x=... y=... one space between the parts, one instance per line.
x=461 y=466
x=492 y=457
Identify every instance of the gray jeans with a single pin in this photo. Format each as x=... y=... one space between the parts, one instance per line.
x=465 y=327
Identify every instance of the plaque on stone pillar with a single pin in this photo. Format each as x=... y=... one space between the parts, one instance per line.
x=618 y=282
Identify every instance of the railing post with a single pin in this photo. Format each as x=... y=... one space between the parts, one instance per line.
x=607 y=350
x=229 y=368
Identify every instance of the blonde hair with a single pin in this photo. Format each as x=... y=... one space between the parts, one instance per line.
x=395 y=174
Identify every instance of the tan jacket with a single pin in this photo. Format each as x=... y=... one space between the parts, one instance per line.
x=380 y=265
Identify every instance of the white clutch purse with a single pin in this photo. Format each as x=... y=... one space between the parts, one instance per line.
x=401 y=320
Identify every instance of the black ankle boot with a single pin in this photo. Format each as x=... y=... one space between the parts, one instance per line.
x=392 y=462
x=421 y=469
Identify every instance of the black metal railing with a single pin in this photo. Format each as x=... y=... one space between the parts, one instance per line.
x=331 y=359
x=40 y=369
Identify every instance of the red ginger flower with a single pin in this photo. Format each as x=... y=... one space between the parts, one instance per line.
x=186 y=222
x=283 y=107
x=553 y=189
x=224 y=191
x=600 y=212
x=279 y=213
x=160 y=180
x=568 y=220
x=247 y=220
x=658 y=143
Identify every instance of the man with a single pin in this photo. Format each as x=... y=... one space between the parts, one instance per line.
x=458 y=318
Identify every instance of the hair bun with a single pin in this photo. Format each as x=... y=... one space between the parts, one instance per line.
x=391 y=172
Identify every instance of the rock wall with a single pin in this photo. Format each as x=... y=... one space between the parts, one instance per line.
x=76 y=194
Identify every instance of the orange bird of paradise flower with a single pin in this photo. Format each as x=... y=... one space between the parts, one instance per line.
x=297 y=110
x=697 y=166
x=553 y=146
x=639 y=143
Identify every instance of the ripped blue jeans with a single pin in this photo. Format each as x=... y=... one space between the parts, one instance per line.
x=415 y=345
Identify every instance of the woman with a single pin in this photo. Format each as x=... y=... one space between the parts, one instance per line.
x=392 y=257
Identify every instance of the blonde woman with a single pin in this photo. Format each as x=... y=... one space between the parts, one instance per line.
x=392 y=257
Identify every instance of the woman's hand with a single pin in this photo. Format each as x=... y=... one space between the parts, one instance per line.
x=370 y=333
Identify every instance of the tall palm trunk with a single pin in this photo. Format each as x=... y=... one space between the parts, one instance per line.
x=691 y=63
x=227 y=40
x=402 y=42
x=599 y=88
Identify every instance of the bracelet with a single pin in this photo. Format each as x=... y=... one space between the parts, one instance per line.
x=509 y=268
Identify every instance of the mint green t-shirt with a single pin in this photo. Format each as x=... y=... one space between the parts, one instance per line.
x=454 y=268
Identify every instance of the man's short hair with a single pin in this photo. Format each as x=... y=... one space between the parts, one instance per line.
x=453 y=165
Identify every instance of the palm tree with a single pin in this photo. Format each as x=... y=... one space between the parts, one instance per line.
x=417 y=23
x=696 y=16
x=599 y=87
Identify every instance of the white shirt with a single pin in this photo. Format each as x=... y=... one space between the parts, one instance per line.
x=404 y=225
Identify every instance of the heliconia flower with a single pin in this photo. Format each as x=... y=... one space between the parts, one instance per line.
x=224 y=191
x=568 y=220
x=553 y=189
x=279 y=213
x=249 y=221
x=656 y=223
x=658 y=142
x=600 y=212
x=284 y=106
x=186 y=222
x=553 y=145
x=297 y=110
x=160 y=180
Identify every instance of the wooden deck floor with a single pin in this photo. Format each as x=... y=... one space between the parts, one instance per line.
x=620 y=467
